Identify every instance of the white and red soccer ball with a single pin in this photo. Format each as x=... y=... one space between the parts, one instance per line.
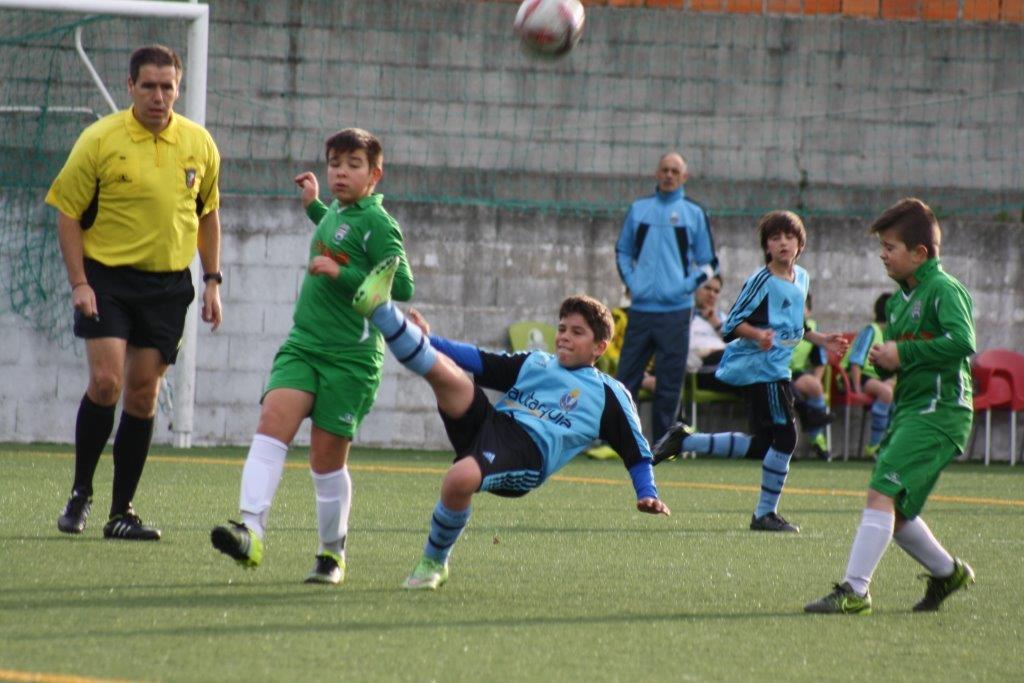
x=549 y=28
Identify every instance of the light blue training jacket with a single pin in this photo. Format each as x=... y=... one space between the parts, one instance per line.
x=665 y=252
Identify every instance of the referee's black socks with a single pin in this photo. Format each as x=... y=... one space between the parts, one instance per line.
x=131 y=446
x=92 y=429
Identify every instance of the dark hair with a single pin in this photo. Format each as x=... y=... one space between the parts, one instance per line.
x=774 y=222
x=914 y=223
x=351 y=139
x=157 y=55
x=880 y=307
x=597 y=315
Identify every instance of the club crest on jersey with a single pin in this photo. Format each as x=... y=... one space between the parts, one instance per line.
x=190 y=177
x=915 y=312
x=569 y=400
x=340 y=233
x=673 y=218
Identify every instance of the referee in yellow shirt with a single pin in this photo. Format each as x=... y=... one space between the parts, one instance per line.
x=136 y=197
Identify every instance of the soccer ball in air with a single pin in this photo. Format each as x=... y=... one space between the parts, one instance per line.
x=549 y=28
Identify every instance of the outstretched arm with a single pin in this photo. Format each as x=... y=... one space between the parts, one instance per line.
x=620 y=428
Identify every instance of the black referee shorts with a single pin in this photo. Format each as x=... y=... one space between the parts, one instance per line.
x=146 y=309
x=509 y=459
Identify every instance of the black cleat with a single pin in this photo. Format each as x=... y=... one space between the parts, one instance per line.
x=773 y=521
x=940 y=588
x=816 y=419
x=76 y=512
x=129 y=527
x=670 y=445
x=238 y=542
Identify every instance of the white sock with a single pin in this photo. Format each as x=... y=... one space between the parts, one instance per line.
x=333 y=502
x=260 y=478
x=869 y=545
x=916 y=539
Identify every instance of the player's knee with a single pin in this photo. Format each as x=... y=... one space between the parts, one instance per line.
x=140 y=400
x=463 y=479
x=104 y=387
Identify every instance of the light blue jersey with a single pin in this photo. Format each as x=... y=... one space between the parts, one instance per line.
x=766 y=301
x=564 y=410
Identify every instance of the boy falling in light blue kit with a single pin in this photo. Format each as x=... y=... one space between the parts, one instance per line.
x=553 y=407
x=763 y=327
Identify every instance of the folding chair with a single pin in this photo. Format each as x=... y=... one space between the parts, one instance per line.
x=1011 y=365
x=694 y=395
x=841 y=394
x=992 y=390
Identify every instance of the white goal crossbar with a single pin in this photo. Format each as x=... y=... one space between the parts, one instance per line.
x=198 y=17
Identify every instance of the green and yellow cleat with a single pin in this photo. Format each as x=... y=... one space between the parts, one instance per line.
x=329 y=568
x=428 y=575
x=842 y=600
x=238 y=542
x=940 y=588
x=376 y=287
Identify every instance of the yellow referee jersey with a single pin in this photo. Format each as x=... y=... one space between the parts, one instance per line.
x=139 y=195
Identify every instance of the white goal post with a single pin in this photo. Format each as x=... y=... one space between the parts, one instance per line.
x=198 y=17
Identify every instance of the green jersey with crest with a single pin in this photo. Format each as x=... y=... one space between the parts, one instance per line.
x=933 y=327
x=356 y=237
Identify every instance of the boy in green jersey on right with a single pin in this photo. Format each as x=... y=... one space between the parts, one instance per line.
x=329 y=368
x=928 y=338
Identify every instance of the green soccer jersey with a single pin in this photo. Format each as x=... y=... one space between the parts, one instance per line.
x=356 y=237
x=933 y=327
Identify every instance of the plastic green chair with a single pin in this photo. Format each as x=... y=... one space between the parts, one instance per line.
x=531 y=335
x=694 y=395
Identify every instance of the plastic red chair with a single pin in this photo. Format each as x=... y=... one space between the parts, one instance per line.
x=1009 y=364
x=841 y=394
x=992 y=391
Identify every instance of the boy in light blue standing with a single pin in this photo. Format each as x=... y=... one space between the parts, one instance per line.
x=763 y=327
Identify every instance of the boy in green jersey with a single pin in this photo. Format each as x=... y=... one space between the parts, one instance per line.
x=928 y=338
x=329 y=368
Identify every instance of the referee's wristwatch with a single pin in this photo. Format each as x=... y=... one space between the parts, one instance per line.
x=217 y=277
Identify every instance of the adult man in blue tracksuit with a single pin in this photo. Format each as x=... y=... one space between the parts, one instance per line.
x=664 y=253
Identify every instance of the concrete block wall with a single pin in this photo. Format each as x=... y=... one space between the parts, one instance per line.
x=839 y=113
x=477 y=270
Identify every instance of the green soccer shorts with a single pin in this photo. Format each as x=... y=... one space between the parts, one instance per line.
x=910 y=459
x=343 y=389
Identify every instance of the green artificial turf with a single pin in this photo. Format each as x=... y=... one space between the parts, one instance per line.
x=568 y=583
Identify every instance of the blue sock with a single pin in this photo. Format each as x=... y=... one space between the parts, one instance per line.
x=445 y=527
x=879 y=421
x=773 y=477
x=817 y=403
x=722 y=445
x=411 y=347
